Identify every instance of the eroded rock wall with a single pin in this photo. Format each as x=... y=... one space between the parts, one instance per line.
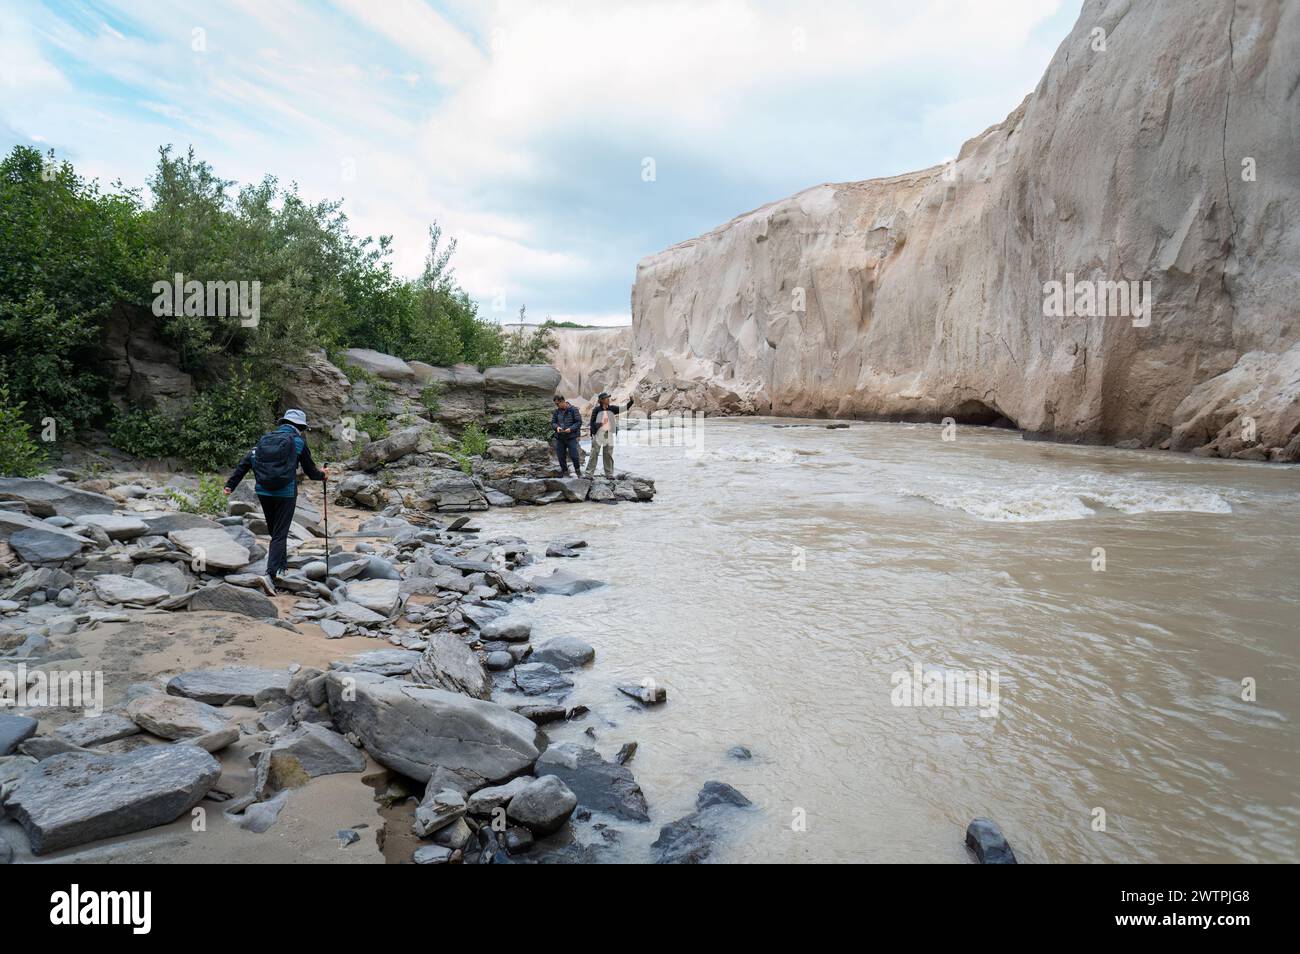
x=1171 y=156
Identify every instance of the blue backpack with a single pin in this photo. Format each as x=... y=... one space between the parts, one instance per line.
x=275 y=459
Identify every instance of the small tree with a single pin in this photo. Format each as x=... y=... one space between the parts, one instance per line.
x=20 y=456
x=527 y=345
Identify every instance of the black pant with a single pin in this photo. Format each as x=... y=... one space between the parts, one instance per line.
x=569 y=443
x=279 y=515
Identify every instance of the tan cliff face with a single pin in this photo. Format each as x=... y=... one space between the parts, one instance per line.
x=1170 y=159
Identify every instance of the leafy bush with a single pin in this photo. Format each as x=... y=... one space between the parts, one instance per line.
x=20 y=456
x=209 y=499
x=473 y=442
x=146 y=433
x=226 y=421
x=524 y=424
x=529 y=345
x=374 y=424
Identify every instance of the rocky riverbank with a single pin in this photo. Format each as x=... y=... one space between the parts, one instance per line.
x=230 y=710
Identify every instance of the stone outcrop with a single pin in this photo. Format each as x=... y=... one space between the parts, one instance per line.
x=143 y=370
x=1171 y=156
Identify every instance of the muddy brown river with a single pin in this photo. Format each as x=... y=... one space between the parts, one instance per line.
x=798 y=589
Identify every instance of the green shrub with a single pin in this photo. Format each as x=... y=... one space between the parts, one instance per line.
x=209 y=499
x=473 y=442
x=226 y=421
x=516 y=425
x=20 y=456
x=374 y=424
x=146 y=433
x=431 y=396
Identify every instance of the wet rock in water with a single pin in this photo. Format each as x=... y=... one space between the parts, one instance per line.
x=535 y=679
x=543 y=805
x=378 y=596
x=432 y=855
x=42 y=545
x=564 y=583
x=112 y=588
x=76 y=798
x=451 y=492
x=165 y=575
x=447 y=663
x=506 y=630
x=14 y=730
x=230 y=686
x=225 y=598
x=499 y=660
x=487 y=800
x=517 y=840
x=44 y=498
x=691 y=839
x=215 y=548
x=564 y=652
x=116 y=527
x=543 y=712
x=438 y=808
x=646 y=695
x=573 y=489
x=97 y=730
x=415 y=730
x=385 y=662
x=625 y=753
x=599 y=785
x=740 y=753
x=172 y=717
x=985 y=839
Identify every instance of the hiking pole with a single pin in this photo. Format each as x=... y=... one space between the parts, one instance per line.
x=325 y=499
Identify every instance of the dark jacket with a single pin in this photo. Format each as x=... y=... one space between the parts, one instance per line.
x=613 y=409
x=566 y=417
x=291 y=490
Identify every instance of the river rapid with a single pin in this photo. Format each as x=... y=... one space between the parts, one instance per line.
x=790 y=586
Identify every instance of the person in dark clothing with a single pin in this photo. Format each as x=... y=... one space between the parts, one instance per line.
x=279 y=498
x=566 y=424
x=603 y=425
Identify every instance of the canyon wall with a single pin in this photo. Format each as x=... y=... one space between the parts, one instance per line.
x=1171 y=156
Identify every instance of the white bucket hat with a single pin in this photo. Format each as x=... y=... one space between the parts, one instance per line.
x=295 y=416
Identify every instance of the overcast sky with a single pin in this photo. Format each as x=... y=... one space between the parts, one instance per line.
x=523 y=127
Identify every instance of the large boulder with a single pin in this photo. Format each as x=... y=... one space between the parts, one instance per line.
x=447 y=663
x=394 y=447
x=691 y=839
x=599 y=785
x=142 y=367
x=379 y=364
x=513 y=388
x=316 y=387
x=227 y=598
x=172 y=717
x=460 y=400
x=116 y=526
x=450 y=491
x=45 y=544
x=44 y=498
x=14 y=731
x=543 y=805
x=415 y=730
x=74 y=798
x=216 y=549
x=229 y=686
x=378 y=596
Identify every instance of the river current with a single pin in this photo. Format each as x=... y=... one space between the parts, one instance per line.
x=1125 y=622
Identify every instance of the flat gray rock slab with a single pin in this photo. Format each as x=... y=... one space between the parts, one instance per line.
x=76 y=798
x=564 y=583
x=172 y=717
x=447 y=663
x=97 y=730
x=230 y=686
x=116 y=526
x=168 y=576
x=535 y=679
x=378 y=596
x=216 y=548
x=114 y=588
x=45 y=498
x=385 y=662
x=45 y=544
